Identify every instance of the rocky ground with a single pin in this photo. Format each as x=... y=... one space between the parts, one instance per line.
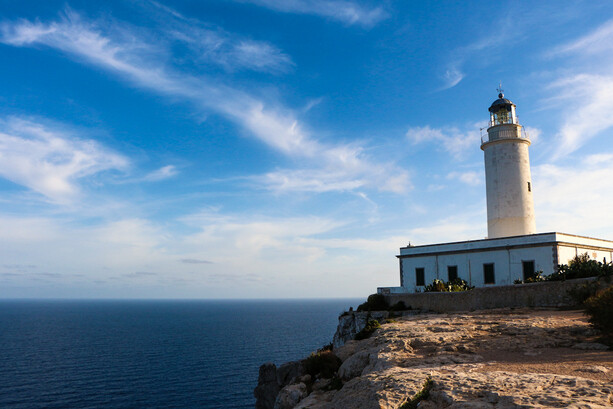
x=485 y=359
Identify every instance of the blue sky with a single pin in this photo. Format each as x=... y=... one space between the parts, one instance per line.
x=273 y=149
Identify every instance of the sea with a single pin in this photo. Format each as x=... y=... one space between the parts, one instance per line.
x=152 y=353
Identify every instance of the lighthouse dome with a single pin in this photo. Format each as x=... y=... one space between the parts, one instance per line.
x=501 y=102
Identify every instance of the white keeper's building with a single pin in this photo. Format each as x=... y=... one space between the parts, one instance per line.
x=513 y=249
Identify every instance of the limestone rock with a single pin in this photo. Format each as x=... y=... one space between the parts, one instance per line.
x=353 y=322
x=591 y=346
x=321 y=384
x=289 y=372
x=290 y=396
x=354 y=365
x=506 y=359
x=595 y=369
x=267 y=389
x=316 y=400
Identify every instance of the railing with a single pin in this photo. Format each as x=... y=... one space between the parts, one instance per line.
x=505 y=134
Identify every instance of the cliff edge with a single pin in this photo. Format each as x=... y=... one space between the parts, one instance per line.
x=486 y=359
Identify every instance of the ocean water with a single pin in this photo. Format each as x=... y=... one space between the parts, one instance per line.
x=152 y=354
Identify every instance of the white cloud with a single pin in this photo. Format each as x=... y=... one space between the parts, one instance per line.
x=165 y=172
x=584 y=93
x=124 y=53
x=598 y=41
x=347 y=12
x=469 y=177
x=50 y=161
x=575 y=197
x=451 y=139
x=227 y=256
x=459 y=227
x=214 y=45
x=588 y=100
x=452 y=77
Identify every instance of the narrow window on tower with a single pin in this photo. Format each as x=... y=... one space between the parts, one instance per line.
x=420 y=276
x=529 y=187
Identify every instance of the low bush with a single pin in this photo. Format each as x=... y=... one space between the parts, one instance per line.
x=323 y=363
x=535 y=278
x=581 y=266
x=367 y=331
x=423 y=394
x=375 y=302
x=599 y=307
x=582 y=292
x=451 y=286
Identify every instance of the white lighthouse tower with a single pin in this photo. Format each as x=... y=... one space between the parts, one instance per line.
x=510 y=208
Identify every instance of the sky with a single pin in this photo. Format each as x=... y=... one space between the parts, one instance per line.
x=282 y=148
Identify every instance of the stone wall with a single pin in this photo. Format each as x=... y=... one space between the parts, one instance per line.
x=545 y=294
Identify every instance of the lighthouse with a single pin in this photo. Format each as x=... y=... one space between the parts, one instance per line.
x=512 y=252
x=510 y=208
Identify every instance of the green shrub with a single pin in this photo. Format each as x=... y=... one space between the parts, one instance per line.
x=599 y=307
x=537 y=277
x=375 y=302
x=581 y=266
x=423 y=394
x=451 y=286
x=582 y=292
x=367 y=331
x=323 y=363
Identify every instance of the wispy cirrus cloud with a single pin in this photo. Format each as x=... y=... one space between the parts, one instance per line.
x=597 y=41
x=210 y=44
x=124 y=52
x=165 y=172
x=585 y=90
x=347 y=12
x=50 y=160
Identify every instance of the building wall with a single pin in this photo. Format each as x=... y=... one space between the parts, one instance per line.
x=507 y=265
x=568 y=252
x=547 y=250
x=545 y=294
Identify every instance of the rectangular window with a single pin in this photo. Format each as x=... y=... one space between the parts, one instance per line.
x=488 y=273
x=529 y=187
x=528 y=269
x=452 y=272
x=420 y=276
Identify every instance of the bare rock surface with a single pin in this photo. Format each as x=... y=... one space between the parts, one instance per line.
x=351 y=323
x=290 y=396
x=486 y=359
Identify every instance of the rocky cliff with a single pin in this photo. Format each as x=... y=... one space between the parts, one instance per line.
x=487 y=359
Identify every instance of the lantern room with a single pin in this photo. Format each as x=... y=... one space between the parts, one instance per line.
x=502 y=111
